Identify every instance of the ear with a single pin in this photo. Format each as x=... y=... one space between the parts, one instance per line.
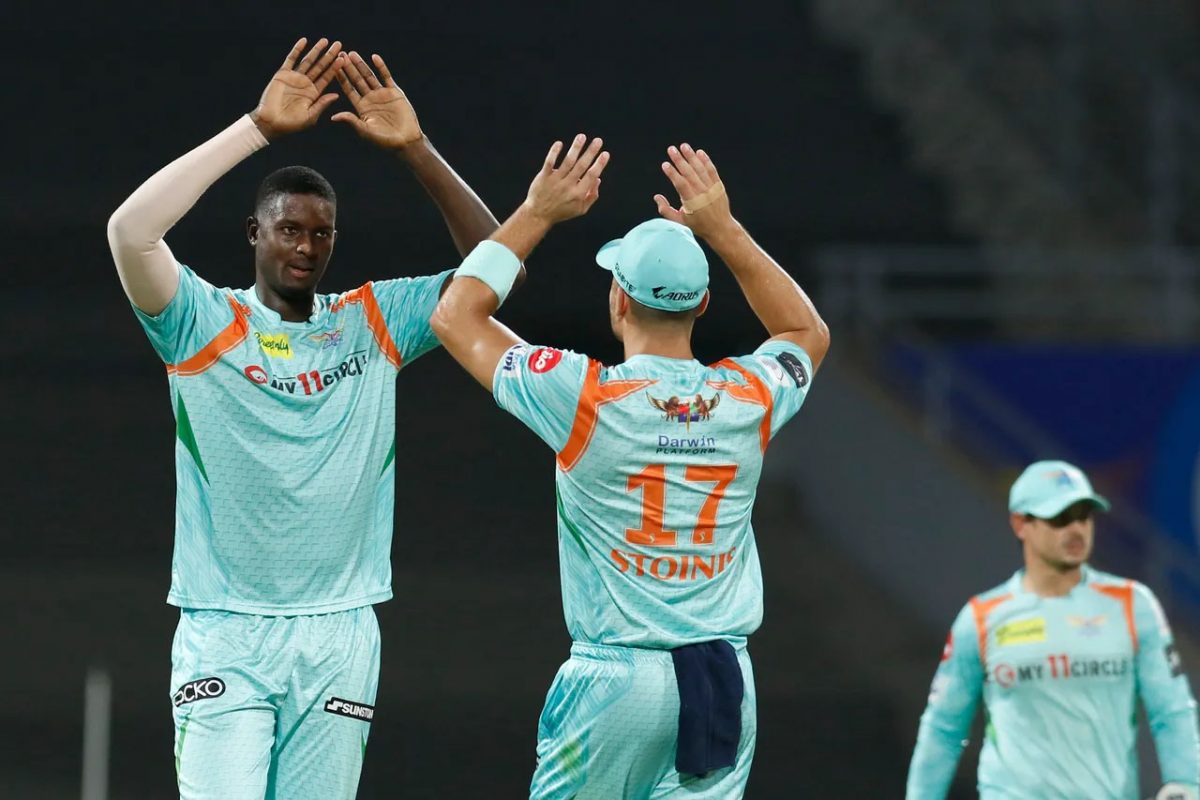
x=703 y=304
x=622 y=302
x=252 y=231
x=1018 y=523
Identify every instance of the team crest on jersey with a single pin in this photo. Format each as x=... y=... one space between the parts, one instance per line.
x=328 y=339
x=1088 y=626
x=275 y=344
x=686 y=411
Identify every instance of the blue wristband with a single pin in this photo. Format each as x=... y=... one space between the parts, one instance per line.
x=492 y=263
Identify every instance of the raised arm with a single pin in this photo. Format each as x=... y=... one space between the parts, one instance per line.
x=383 y=115
x=463 y=318
x=293 y=100
x=776 y=299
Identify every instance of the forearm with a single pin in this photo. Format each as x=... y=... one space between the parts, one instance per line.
x=776 y=299
x=1177 y=744
x=468 y=219
x=146 y=268
x=935 y=758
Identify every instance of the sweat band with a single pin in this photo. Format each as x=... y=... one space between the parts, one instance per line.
x=492 y=263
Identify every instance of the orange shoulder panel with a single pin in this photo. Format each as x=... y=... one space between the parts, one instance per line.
x=229 y=338
x=587 y=412
x=1124 y=595
x=981 y=609
x=366 y=295
x=755 y=391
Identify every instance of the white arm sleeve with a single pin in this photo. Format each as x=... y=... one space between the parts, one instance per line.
x=145 y=265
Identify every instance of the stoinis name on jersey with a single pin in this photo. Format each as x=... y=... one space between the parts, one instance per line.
x=672 y=568
x=346 y=708
x=310 y=382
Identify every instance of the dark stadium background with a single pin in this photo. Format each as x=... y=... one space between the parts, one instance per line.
x=99 y=96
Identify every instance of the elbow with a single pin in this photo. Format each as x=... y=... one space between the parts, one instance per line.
x=442 y=320
x=118 y=228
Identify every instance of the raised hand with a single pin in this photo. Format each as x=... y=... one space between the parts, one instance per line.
x=382 y=113
x=568 y=190
x=704 y=206
x=293 y=99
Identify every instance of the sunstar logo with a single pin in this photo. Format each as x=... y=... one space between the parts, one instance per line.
x=275 y=344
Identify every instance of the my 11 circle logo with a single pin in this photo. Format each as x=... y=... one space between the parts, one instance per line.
x=312 y=381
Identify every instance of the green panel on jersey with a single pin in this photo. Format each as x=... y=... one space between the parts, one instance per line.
x=389 y=458
x=183 y=429
x=562 y=515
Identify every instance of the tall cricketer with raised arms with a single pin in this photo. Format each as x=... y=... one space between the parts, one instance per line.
x=284 y=401
x=658 y=462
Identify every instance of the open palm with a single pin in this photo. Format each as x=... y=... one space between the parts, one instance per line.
x=293 y=99
x=382 y=113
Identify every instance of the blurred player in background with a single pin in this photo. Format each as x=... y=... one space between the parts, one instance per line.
x=285 y=408
x=658 y=462
x=1060 y=653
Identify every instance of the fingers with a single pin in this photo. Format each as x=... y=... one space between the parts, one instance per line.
x=323 y=102
x=678 y=181
x=593 y=172
x=364 y=70
x=666 y=211
x=384 y=72
x=709 y=167
x=686 y=169
x=309 y=60
x=351 y=119
x=573 y=152
x=343 y=78
x=552 y=157
x=322 y=72
x=587 y=159
x=295 y=52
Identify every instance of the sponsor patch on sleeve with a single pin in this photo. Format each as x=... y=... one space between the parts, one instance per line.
x=513 y=357
x=544 y=359
x=948 y=649
x=351 y=709
x=795 y=368
x=1174 y=662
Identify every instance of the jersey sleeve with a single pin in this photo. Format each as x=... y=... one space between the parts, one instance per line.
x=1164 y=690
x=787 y=372
x=193 y=318
x=406 y=305
x=541 y=387
x=953 y=698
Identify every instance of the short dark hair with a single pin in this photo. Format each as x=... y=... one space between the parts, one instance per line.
x=294 y=180
x=657 y=316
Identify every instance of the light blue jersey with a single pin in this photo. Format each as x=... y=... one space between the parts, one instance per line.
x=1060 y=678
x=285 y=445
x=657 y=469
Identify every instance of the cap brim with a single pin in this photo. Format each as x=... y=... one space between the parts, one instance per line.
x=1048 y=509
x=606 y=256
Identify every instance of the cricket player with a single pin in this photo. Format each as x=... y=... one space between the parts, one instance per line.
x=658 y=461
x=1061 y=653
x=284 y=402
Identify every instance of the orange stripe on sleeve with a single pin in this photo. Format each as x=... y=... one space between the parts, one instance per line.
x=587 y=413
x=229 y=338
x=1124 y=595
x=981 y=609
x=755 y=391
x=375 y=321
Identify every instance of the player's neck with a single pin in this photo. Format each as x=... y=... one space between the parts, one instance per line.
x=290 y=309
x=657 y=343
x=1045 y=580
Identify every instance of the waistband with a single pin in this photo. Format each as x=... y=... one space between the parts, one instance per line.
x=645 y=655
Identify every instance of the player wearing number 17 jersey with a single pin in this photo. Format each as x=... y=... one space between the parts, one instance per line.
x=658 y=461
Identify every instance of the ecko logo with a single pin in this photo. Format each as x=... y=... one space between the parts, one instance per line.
x=203 y=689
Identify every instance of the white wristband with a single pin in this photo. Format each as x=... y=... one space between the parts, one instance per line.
x=492 y=263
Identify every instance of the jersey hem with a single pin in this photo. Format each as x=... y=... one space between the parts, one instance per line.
x=266 y=610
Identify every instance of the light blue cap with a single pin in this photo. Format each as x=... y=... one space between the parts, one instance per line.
x=660 y=264
x=1047 y=488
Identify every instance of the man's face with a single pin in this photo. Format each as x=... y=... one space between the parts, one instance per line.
x=292 y=236
x=1064 y=542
